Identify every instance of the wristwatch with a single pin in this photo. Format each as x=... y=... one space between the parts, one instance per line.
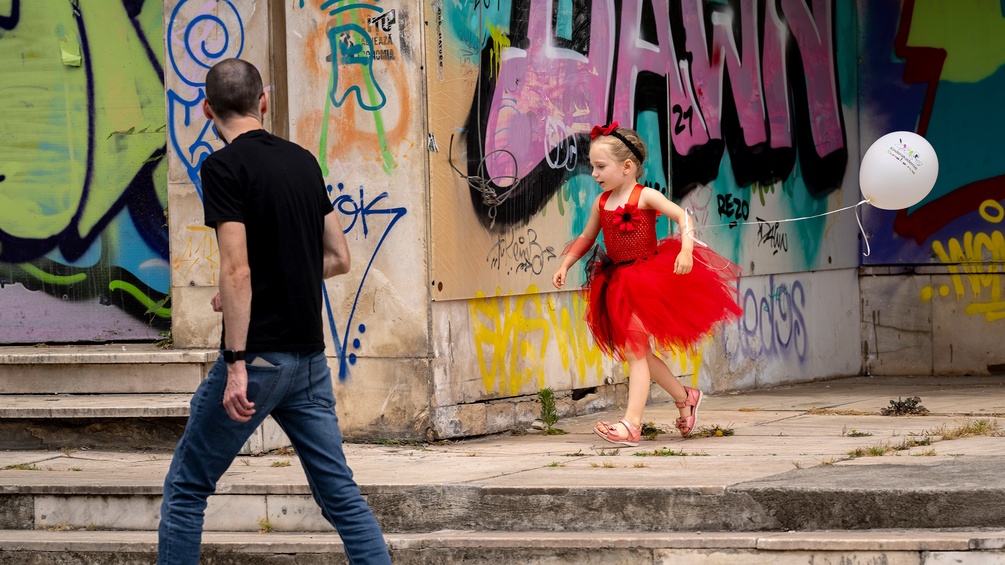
x=231 y=356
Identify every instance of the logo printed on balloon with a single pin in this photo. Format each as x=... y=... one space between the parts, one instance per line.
x=912 y=160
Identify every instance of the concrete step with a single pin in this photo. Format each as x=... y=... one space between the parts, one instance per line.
x=411 y=493
x=921 y=547
x=108 y=422
x=126 y=396
x=793 y=459
x=102 y=369
x=102 y=421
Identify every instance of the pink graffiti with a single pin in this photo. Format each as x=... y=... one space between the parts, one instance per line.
x=541 y=84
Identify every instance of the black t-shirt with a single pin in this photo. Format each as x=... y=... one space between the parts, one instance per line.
x=276 y=189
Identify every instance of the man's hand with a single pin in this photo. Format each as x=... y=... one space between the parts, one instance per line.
x=235 y=396
x=216 y=303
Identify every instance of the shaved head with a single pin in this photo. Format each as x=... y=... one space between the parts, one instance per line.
x=233 y=88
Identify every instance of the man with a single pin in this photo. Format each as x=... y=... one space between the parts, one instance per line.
x=278 y=239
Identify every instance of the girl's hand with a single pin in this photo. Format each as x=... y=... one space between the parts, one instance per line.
x=558 y=279
x=683 y=264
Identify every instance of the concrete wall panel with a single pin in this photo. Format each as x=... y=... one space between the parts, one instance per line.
x=896 y=324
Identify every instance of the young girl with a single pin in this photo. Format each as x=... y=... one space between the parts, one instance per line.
x=643 y=290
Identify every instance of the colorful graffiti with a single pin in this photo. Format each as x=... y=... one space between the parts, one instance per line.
x=82 y=169
x=358 y=51
x=758 y=80
x=937 y=70
x=975 y=263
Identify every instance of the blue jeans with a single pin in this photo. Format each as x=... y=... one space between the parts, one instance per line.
x=296 y=388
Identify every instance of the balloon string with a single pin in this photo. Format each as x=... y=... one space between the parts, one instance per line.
x=689 y=231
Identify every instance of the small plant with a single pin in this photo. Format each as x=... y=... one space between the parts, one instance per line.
x=901 y=407
x=60 y=527
x=549 y=414
x=712 y=431
x=909 y=443
x=283 y=463
x=651 y=431
x=856 y=433
x=264 y=526
x=607 y=451
x=661 y=452
x=925 y=453
x=22 y=467
x=76 y=469
x=871 y=451
x=286 y=450
x=166 y=340
x=641 y=465
x=968 y=428
x=556 y=464
x=576 y=454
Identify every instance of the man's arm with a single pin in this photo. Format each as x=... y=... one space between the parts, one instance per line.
x=336 y=261
x=235 y=298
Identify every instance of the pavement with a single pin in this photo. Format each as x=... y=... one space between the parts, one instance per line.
x=799 y=459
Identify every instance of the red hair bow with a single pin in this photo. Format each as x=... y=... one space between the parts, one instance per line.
x=598 y=131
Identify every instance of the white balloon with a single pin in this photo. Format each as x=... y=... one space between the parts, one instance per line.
x=898 y=170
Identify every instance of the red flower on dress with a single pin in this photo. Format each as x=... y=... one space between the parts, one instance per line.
x=626 y=216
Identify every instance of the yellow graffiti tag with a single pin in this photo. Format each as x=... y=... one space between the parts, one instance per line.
x=572 y=336
x=513 y=334
x=976 y=265
x=499 y=42
x=201 y=247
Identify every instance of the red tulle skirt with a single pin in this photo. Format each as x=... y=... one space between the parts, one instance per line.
x=633 y=301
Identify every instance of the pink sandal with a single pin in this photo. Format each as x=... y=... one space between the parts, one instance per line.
x=685 y=424
x=612 y=434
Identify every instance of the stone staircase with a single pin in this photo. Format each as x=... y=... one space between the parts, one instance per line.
x=781 y=490
x=125 y=396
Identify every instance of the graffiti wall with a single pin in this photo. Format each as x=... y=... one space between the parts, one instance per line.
x=356 y=102
x=83 y=229
x=938 y=69
x=742 y=105
x=749 y=113
x=198 y=34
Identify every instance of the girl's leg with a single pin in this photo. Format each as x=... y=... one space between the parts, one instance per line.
x=661 y=375
x=638 y=394
x=636 y=354
x=686 y=400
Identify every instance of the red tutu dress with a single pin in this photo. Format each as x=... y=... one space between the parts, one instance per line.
x=633 y=292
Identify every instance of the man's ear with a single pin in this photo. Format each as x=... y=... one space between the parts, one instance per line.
x=206 y=109
x=263 y=103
